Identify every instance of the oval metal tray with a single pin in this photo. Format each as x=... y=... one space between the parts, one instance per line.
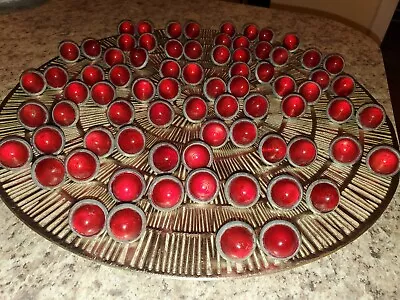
x=182 y=242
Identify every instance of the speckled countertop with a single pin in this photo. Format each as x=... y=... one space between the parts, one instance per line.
x=33 y=268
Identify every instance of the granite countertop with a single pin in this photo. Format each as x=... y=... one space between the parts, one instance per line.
x=33 y=268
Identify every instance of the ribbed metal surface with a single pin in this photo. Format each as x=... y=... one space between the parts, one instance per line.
x=182 y=242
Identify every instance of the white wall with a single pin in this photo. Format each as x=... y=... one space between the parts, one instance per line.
x=373 y=15
x=380 y=23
